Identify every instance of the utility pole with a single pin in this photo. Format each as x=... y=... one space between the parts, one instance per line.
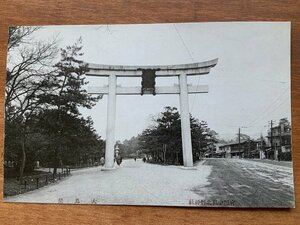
x=271 y=137
x=239 y=142
x=280 y=140
x=261 y=146
x=249 y=149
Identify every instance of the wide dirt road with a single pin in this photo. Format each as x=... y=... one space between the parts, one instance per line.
x=249 y=183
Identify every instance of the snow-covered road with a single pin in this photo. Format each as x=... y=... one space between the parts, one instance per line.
x=134 y=183
x=250 y=183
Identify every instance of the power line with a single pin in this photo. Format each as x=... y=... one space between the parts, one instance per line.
x=276 y=108
x=190 y=54
x=260 y=116
x=184 y=44
x=256 y=79
x=279 y=105
x=236 y=126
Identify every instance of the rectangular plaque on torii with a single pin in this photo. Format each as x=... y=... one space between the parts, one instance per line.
x=148 y=81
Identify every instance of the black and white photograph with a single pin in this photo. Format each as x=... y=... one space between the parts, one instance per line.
x=171 y=114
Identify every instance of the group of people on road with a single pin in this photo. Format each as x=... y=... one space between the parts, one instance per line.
x=144 y=159
x=118 y=160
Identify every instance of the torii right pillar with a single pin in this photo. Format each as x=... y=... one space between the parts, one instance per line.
x=185 y=122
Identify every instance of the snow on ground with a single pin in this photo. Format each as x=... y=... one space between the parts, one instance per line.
x=250 y=183
x=134 y=183
x=275 y=173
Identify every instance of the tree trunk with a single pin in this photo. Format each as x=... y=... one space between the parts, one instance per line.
x=55 y=170
x=23 y=160
x=56 y=162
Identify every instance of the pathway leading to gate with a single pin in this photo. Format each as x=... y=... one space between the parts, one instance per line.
x=135 y=183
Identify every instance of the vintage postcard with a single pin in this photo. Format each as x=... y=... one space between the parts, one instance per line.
x=181 y=114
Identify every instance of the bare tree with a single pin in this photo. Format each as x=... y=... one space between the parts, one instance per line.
x=29 y=63
x=19 y=35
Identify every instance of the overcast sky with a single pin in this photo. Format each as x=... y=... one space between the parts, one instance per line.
x=248 y=87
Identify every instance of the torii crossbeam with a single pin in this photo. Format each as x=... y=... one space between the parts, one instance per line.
x=112 y=90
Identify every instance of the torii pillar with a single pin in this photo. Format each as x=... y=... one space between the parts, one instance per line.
x=111 y=120
x=112 y=90
x=185 y=122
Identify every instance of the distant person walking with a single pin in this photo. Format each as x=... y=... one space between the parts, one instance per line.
x=144 y=159
x=102 y=161
x=134 y=158
x=119 y=160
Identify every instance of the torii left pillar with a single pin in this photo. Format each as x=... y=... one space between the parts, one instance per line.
x=111 y=115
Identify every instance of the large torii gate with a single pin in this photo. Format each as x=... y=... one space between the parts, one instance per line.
x=181 y=71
